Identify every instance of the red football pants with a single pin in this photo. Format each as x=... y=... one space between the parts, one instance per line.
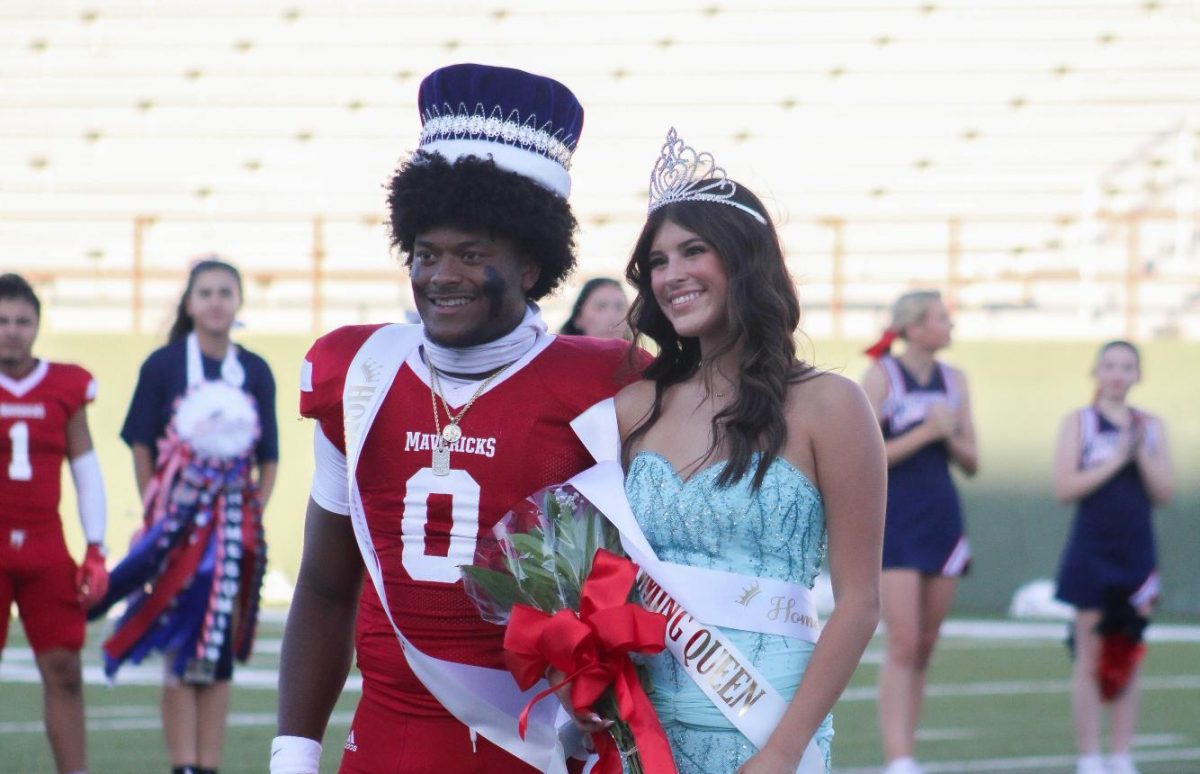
x=37 y=572
x=382 y=741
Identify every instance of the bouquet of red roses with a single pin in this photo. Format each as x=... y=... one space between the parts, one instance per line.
x=556 y=577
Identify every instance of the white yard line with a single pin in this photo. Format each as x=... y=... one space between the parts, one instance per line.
x=1031 y=632
x=268 y=679
x=17 y=664
x=1053 y=630
x=1032 y=763
x=92 y=655
x=1024 y=687
x=149 y=720
x=946 y=734
x=151 y=674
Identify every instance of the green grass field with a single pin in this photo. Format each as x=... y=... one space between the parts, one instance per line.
x=995 y=704
x=1020 y=390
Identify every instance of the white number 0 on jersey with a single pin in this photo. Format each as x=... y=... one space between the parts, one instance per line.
x=464 y=530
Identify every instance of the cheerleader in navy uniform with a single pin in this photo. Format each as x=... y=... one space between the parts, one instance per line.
x=924 y=410
x=201 y=426
x=1112 y=461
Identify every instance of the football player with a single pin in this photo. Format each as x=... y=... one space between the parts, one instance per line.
x=426 y=435
x=43 y=419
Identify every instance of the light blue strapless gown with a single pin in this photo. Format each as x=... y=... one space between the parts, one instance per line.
x=776 y=532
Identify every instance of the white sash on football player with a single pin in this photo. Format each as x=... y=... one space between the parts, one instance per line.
x=697 y=601
x=487 y=701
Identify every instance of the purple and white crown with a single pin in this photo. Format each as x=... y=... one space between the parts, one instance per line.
x=526 y=123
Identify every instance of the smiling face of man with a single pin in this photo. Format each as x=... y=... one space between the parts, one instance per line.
x=469 y=288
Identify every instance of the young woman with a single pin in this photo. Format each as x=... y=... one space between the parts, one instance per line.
x=741 y=458
x=599 y=311
x=202 y=429
x=1113 y=462
x=924 y=408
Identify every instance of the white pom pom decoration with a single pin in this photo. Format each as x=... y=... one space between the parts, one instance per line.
x=218 y=421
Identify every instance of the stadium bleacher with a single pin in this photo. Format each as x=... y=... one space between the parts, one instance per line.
x=1038 y=162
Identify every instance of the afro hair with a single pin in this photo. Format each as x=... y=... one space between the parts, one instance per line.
x=473 y=194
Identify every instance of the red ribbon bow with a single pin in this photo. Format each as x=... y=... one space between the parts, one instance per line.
x=592 y=649
x=882 y=346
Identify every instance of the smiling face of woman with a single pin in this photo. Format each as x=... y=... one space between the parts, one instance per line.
x=689 y=282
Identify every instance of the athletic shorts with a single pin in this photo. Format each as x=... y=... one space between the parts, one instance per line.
x=384 y=742
x=38 y=573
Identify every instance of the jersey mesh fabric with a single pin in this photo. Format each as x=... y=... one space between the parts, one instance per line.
x=516 y=439
x=33 y=424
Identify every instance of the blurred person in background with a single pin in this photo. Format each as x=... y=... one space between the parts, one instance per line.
x=1114 y=464
x=924 y=409
x=201 y=426
x=599 y=311
x=43 y=420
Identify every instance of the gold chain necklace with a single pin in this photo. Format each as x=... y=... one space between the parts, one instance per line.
x=443 y=437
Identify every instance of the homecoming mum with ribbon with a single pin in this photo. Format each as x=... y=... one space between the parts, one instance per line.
x=742 y=463
x=201 y=426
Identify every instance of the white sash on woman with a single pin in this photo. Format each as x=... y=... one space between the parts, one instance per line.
x=696 y=601
x=485 y=700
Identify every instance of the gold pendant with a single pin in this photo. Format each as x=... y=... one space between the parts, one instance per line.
x=451 y=433
x=441 y=458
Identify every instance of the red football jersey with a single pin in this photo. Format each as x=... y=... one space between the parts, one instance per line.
x=516 y=439
x=33 y=440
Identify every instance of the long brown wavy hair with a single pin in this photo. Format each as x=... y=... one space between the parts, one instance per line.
x=763 y=315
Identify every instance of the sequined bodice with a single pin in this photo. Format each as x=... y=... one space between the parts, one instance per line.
x=777 y=532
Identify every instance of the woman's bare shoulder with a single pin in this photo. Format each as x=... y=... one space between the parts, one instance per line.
x=827 y=402
x=824 y=391
x=634 y=402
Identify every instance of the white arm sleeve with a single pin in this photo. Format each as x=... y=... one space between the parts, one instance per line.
x=330 y=487
x=89 y=492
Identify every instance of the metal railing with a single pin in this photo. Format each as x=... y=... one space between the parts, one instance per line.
x=1127 y=272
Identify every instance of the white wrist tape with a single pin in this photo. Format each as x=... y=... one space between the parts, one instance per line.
x=295 y=755
x=89 y=493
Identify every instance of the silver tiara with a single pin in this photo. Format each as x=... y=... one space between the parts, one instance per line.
x=682 y=174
